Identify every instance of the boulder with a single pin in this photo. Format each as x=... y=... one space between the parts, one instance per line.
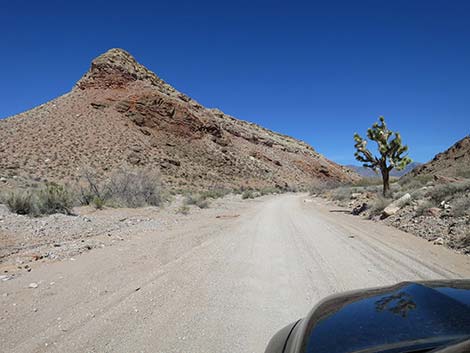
x=359 y=209
x=438 y=241
x=396 y=205
x=433 y=212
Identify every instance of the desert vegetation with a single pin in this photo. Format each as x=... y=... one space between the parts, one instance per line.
x=434 y=207
x=392 y=152
x=128 y=187
x=45 y=199
x=124 y=188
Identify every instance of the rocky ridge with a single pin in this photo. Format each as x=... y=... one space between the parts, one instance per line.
x=454 y=162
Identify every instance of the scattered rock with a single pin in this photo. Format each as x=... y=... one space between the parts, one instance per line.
x=445 y=205
x=33 y=285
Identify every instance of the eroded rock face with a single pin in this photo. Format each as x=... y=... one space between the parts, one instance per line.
x=453 y=162
x=121 y=113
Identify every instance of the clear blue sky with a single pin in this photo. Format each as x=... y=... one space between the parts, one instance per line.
x=316 y=70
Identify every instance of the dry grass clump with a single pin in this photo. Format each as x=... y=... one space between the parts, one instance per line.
x=368 y=182
x=320 y=186
x=444 y=192
x=463 y=173
x=20 y=202
x=342 y=193
x=47 y=199
x=196 y=199
x=184 y=210
x=378 y=205
x=409 y=182
x=461 y=206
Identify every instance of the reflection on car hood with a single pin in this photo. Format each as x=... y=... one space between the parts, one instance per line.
x=424 y=313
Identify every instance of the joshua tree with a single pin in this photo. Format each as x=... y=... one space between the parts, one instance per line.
x=390 y=148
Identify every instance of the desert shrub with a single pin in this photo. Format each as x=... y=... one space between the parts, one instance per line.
x=378 y=205
x=419 y=194
x=463 y=173
x=191 y=199
x=423 y=206
x=248 y=194
x=342 y=193
x=98 y=202
x=21 y=202
x=368 y=182
x=444 y=192
x=133 y=188
x=410 y=182
x=215 y=193
x=46 y=199
x=184 y=209
x=88 y=187
x=198 y=200
x=54 y=198
x=269 y=190
x=292 y=188
x=374 y=188
x=461 y=206
x=202 y=203
x=320 y=186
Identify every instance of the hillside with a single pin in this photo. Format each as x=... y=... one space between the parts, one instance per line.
x=454 y=162
x=120 y=113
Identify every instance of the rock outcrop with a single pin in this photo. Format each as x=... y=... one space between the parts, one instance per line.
x=454 y=162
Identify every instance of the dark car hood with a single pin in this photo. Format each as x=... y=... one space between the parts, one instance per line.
x=426 y=313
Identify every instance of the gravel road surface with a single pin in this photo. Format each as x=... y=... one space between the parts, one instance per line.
x=211 y=284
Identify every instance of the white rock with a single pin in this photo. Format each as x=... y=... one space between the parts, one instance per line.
x=438 y=241
x=33 y=285
x=396 y=205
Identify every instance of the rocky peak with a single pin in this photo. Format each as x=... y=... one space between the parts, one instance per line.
x=115 y=69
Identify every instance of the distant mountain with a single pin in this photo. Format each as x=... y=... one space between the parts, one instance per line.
x=120 y=113
x=369 y=173
x=454 y=162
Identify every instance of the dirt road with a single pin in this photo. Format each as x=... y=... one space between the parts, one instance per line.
x=211 y=284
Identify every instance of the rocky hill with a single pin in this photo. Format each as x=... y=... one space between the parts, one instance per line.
x=454 y=162
x=120 y=113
